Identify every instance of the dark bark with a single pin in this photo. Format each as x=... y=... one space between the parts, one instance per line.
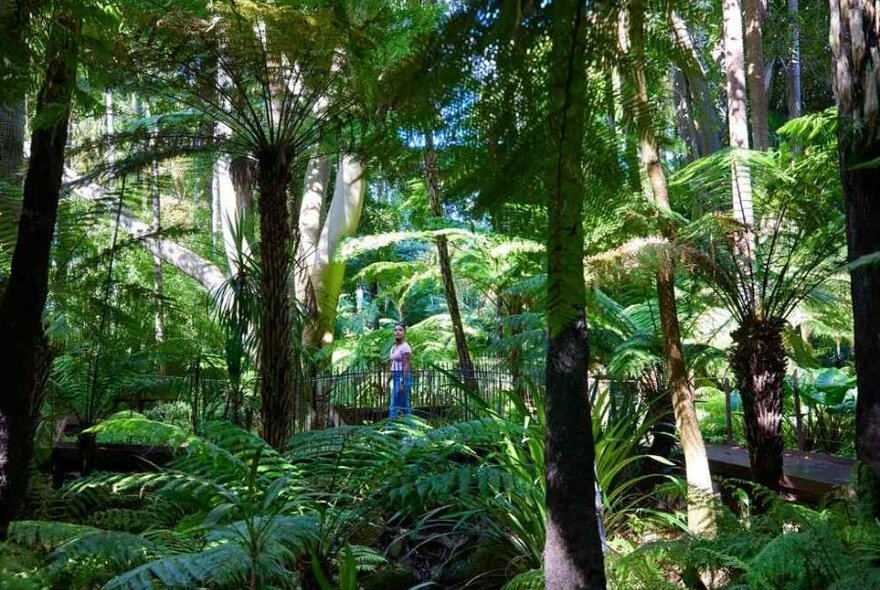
x=26 y=291
x=432 y=176
x=573 y=557
x=276 y=361
x=854 y=44
x=758 y=361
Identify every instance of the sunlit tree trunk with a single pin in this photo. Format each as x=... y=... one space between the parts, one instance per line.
x=158 y=282
x=854 y=45
x=755 y=59
x=737 y=121
x=26 y=291
x=308 y=219
x=794 y=62
x=234 y=193
x=432 y=174
x=573 y=556
x=700 y=516
x=326 y=273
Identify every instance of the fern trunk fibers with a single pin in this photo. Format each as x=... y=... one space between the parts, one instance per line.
x=432 y=176
x=755 y=60
x=758 y=361
x=573 y=556
x=276 y=360
x=854 y=44
x=25 y=296
x=700 y=516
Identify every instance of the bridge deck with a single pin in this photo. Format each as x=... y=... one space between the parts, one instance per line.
x=808 y=476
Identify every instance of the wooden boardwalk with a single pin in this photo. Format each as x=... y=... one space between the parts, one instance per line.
x=809 y=477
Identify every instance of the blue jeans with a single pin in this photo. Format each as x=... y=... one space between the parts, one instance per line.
x=400 y=388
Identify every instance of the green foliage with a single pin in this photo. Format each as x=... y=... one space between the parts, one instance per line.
x=790 y=548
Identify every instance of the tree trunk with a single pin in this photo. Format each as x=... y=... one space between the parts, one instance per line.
x=755 y=58
x=186 y=261
x=573 y=556
x=234 y=194
x=156 y=226
x=306 y=214
x=703 y=112
x=794 y=62
x=325 y=273
x=26 y=291
x=432 y=177
x=276 y=360
x=758 y=361
x=741 y=189
x=684 y=118
x=854 y=44
x=700 y=516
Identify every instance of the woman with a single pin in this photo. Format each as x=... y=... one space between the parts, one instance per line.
x=401 y=373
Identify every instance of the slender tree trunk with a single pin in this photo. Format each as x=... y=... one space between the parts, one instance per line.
x=700 y=516
x=155 y=227
x=25 y=295
x=684 y=119
x=794 y=62
x=757 y=90
x=759 y=362
x=854 y=44
x=158 y=289
x=573 y=556
x=276 y=360
x=737 y=118
x=703 y=112
x=432 y=176
x=325 y=273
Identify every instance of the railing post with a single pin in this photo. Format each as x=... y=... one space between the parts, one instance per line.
x=728 y=410
x=798 y=418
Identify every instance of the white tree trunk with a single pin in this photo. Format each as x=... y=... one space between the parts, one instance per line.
x=342 y=221
x=738 y=128
x=794 y=62
x=231 y=208
x=186 y=261
x=308 y=224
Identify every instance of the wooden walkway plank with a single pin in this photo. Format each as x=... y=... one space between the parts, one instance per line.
x=809 y=477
